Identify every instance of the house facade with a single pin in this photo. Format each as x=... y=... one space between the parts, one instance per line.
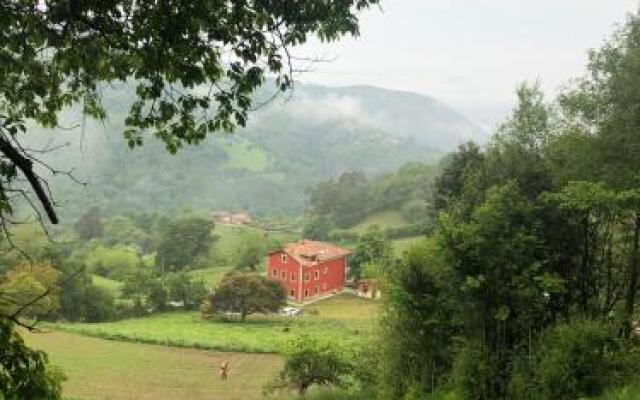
x=308 y=269
x=231 y=218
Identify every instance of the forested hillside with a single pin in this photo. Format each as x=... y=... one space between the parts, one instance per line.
x=289 y=145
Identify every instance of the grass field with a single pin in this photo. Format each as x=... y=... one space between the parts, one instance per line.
x=345 y=319
x=230 y=240
x=210 y=276
x=242 y=155
x=384 y=219
x=404 y=244
x=112 y=286
x=109 y=370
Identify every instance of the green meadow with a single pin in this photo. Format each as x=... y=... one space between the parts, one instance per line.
x=345 y=319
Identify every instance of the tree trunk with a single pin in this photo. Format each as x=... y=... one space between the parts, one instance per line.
x=633 y=276
x=585 y=276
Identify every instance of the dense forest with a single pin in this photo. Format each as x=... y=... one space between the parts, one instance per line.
x=528 y=287
x=336 y=205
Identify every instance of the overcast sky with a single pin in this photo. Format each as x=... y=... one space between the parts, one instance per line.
x=470 y=53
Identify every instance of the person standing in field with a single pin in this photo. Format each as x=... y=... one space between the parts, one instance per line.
x=224 y=370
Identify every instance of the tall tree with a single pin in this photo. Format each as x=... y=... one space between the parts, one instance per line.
x=182 y=242
x=245 y=295
x=89 y=225
x=373 y=247
x=605 y=104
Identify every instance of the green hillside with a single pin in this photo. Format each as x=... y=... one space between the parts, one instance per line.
x=383 y=219
x=267 y=167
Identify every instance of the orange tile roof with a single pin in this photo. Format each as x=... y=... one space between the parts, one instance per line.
x=308 y=252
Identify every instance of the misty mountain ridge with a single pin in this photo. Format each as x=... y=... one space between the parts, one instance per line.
x=288 y=146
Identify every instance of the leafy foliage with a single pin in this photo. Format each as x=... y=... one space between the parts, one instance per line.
x=344 y=202
x=538 y=236
x=24 y=373
x=184 y=289
x=311 y=362
x=89 y=225
x=373 y=247
x=578 y=360
x=34 y=286
x=245 y=295
x=182 y=242
x=195 y=65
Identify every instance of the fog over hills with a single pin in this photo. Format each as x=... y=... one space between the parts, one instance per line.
x=288 y=145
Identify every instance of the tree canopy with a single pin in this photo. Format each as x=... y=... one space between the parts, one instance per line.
x=245 y=295
x=195 y=65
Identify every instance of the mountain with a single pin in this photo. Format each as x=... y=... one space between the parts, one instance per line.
x=288 y=146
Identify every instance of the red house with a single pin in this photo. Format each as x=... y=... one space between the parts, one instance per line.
x=308 y=269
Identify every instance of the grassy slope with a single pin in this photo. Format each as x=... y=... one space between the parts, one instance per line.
x=229 y=238
x=101 y=369
x=242 y=155
x=210 y=276
x=114 y=287
x=404 y=244
x=346 y=319
x=384 y=219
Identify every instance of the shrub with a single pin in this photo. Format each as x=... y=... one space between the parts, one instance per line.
x=311 y=362
x=405 y=231
x=576 y=360
x=245 y=295
x=342 y=235
x=473 y=372
x=98 y=304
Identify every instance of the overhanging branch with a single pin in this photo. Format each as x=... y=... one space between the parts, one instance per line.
x=26 y=167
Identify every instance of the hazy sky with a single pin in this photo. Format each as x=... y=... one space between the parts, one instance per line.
x=470 y=53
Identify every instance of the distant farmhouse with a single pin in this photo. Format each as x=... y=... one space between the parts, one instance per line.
x=308 y=269
x=231 y=218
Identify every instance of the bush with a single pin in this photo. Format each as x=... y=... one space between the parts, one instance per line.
x=81 y=300
x=405 y=231
x=310 y=362
x=98 y=304
x=244 y=295
x=342 y=235
x=576 y=360
x=415 y=209
x=473 y=373
x=112 y=262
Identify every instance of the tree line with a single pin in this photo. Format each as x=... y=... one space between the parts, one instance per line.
x=528 y=287
x=347 y=200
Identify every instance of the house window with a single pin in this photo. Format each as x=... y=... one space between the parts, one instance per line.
x=283 y=258
x=326 y=270
x=317 y=288
x=292 y=293
x=306 y=277
x=306 y=293
x=316 y=274
x=274 y=273
x=283 y=274
x=293 y=277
